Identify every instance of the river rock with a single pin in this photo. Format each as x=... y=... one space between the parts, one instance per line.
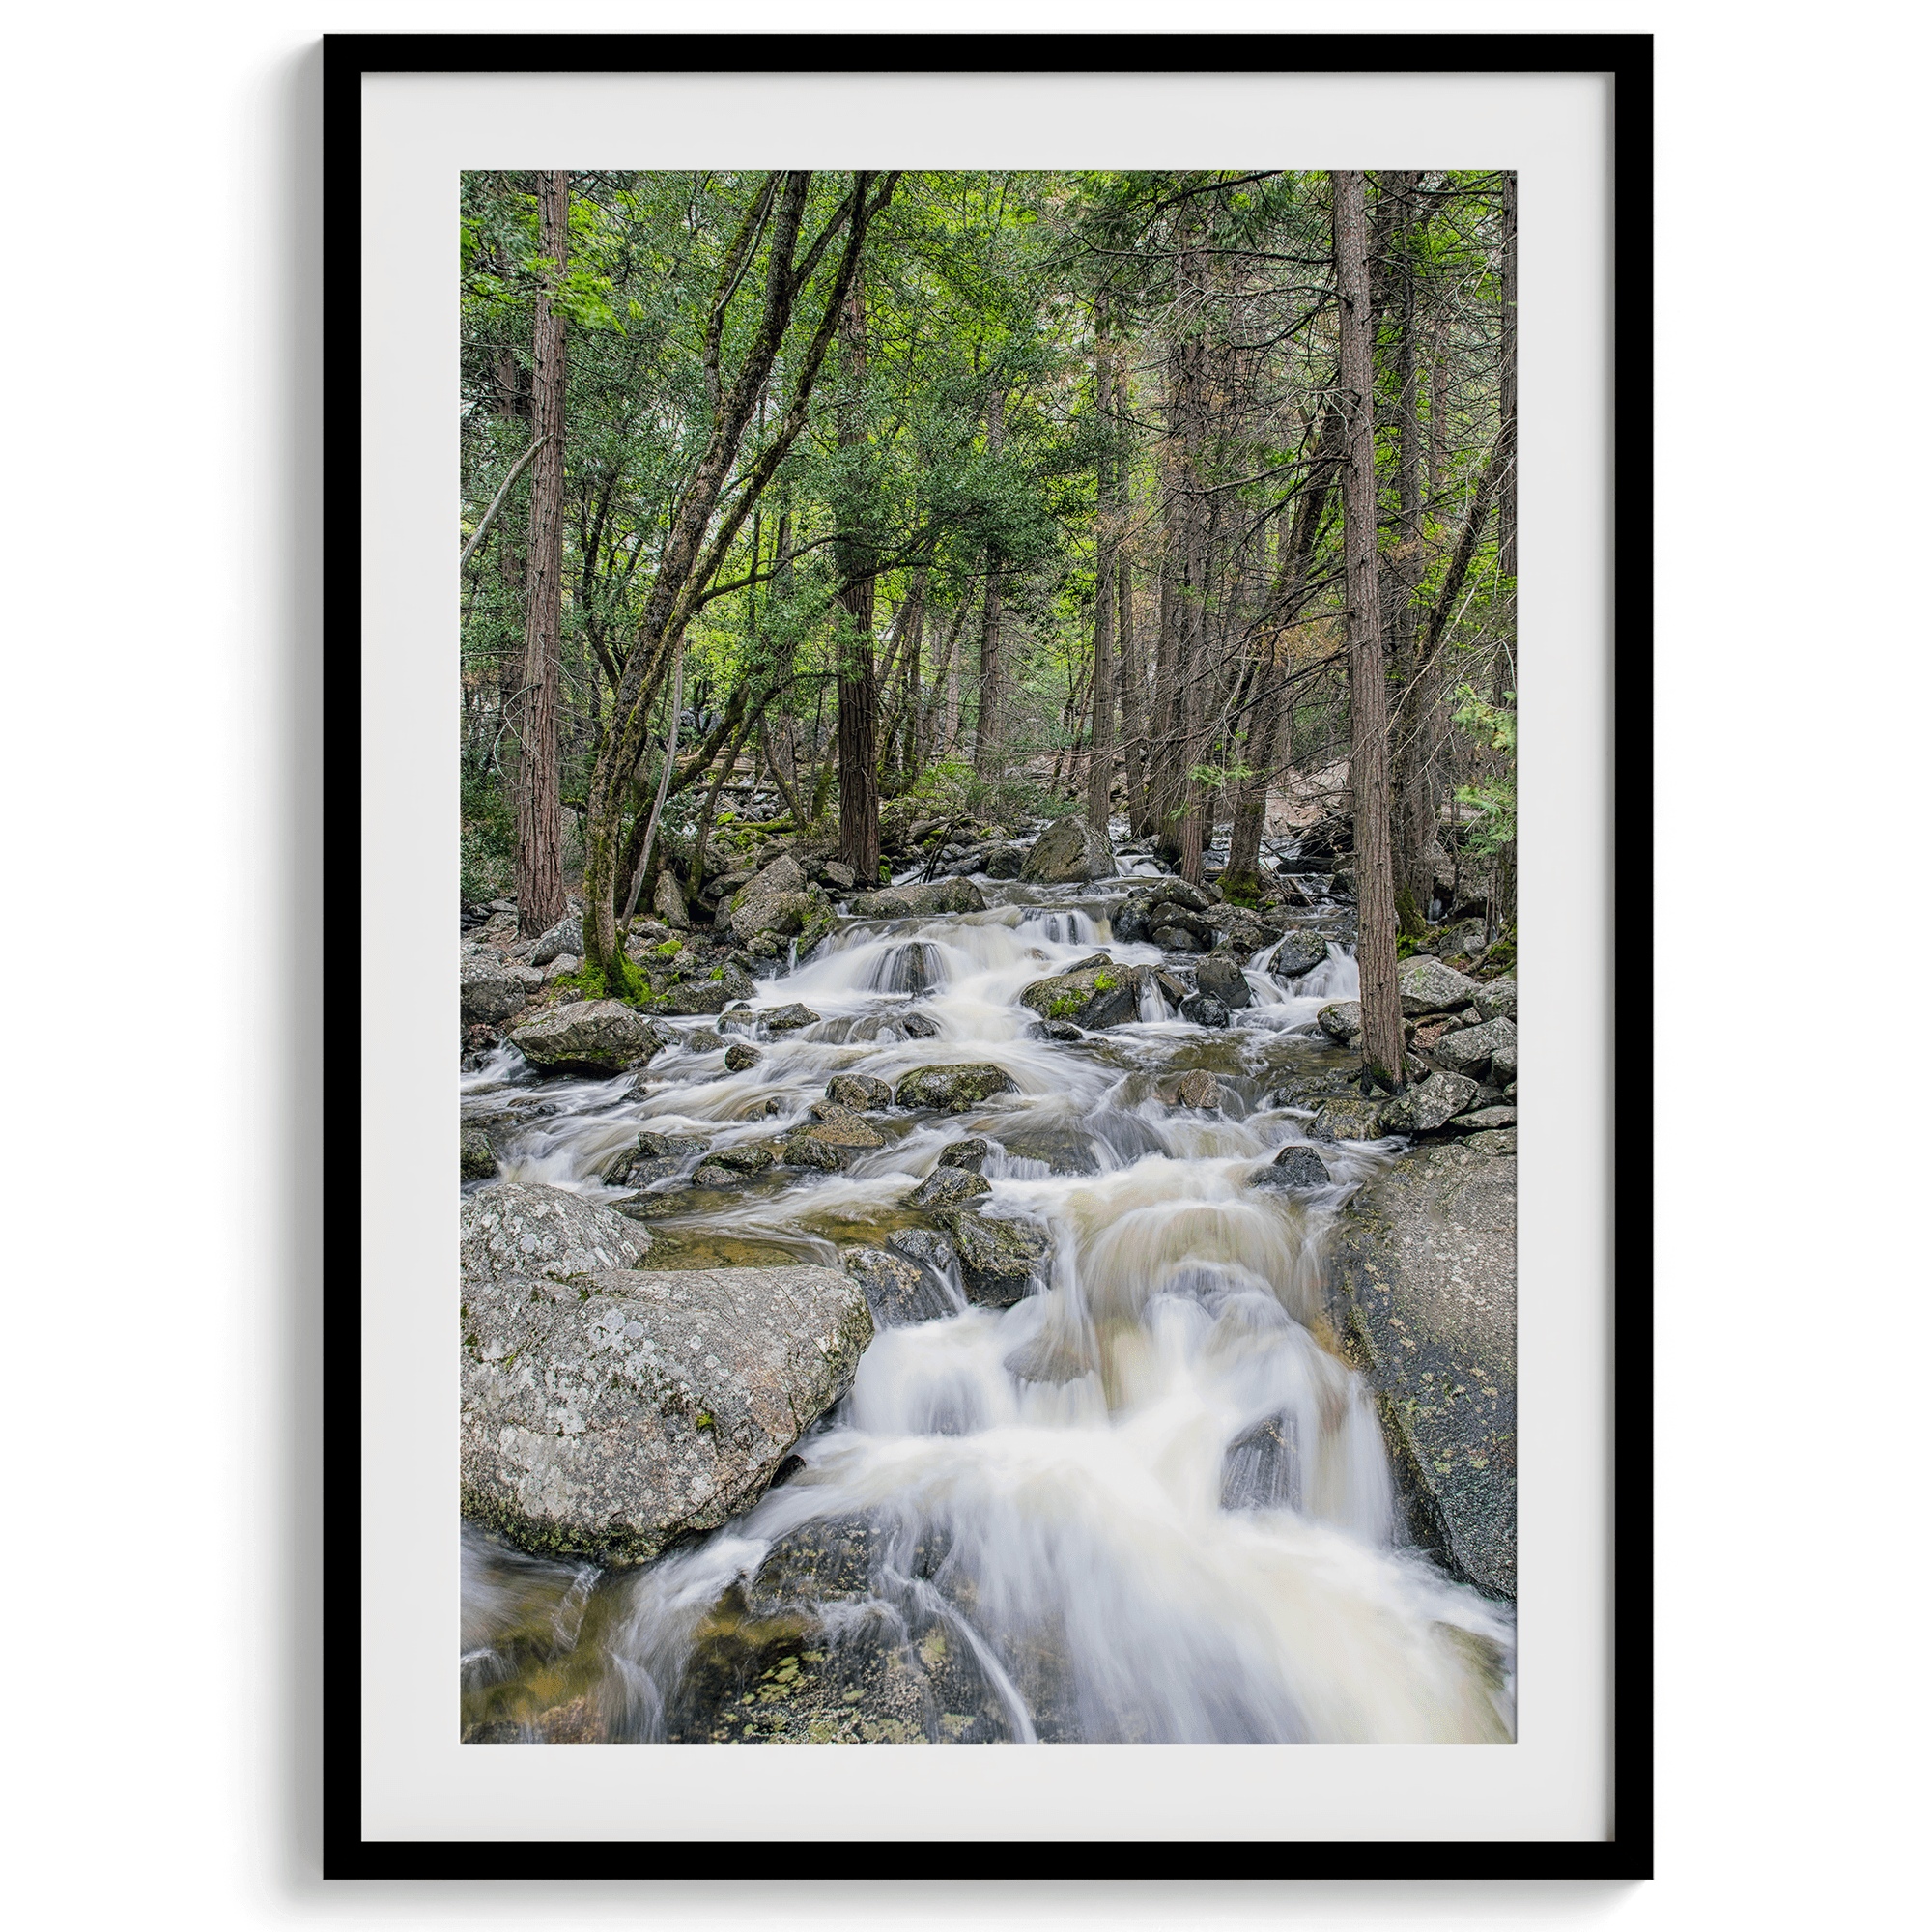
x=1351 y=1117
x=784 y=1020
x=479 y=1157
x=919 y=901
x=832 y=1145
x=1494 y=1141
x=1004 y=862
x=655 y=1406
x=997 y=1258
x=589 y=1036
x=897 y=1290
x=1204 y=1009
x=1223 y=981
x=1427 y=1106
x=1064 y=1030
x=969 y=1155
x=1171 y=938
x=803 y=916
x=523 y=1228
x=1070 y=852
x=740 y=1058
x=658 y=1036
x=923 y=1246
x=952 y=1090
x=668 y=902
x=1427 y=986
x=859 y=1092
x=947 y=1187
x=745 y=1158
x=565 y=937
x=691 y=999
x=1502 y=1065
x=671 y=1146
x=1300 y=952
x=1496 y=1001
x=634 y=1168
x=1464 y=941
x=1483 y=1119
x=1342 y=1021
x=708 y=1173
x=840 y=878
x=1423 y=1274
x=1296 y=1165
x=1470 y=1049
x=1088 y=997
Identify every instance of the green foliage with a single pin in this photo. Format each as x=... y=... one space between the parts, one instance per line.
x=489 y=840
x=1491 y=799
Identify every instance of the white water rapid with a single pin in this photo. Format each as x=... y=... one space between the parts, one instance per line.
x=1148 y=1502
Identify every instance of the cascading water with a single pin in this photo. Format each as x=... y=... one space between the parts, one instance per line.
x=1148 y=1502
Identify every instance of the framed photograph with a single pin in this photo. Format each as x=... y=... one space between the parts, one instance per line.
x=1046 y=634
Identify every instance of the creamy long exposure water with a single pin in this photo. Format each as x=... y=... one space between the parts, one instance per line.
x=1150 y=1501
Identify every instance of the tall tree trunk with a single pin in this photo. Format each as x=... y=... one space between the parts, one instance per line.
x=539 y=810
x=1100 y=753
x=858 y=682
x=1368 y=748
x=986 y=730
x=1133 y=704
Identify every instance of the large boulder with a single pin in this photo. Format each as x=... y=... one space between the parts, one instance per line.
x=492 y=988
x=1422 y=1277
x=919 y=901
x=1427 y=986
x=1296 y=1165
x=523 y=1228
x=858 y=1092
x=1070 y=852
x=1090 y=997
x=897 y=1290
x=1427 y=1105
x=590 y=1036
x=787 y=1018
x=1204 y=1009
x=1223 y=980
x=1298 y=952
x=691 y=999
x=1496 y=1001
x=1349 y=1118
x=1342 y=1021
x=1470 y=1049
x=478 y=1161
x=831 y=1143
x=806 y=916
x=947 y=1187
x=952 y=1090
x=997 y=1258
x=669 y=903
x=606 y=1415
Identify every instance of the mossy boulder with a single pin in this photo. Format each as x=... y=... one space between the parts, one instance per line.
x=831 y=1143
x=1497 y=1000
x=948 y=1187
x=1089 y=997
x=897 y=1290
x=1071 y=851
x=997 y=1258
x=588 y=1037
x=952 y=1090
x=1422 y=1280
x=789 y=1018
x=478 y=1161
x=1349 y=1118
x=690 y=998
x=1342 y=1021
x=740 y=1058
x=1427 y=1106
x=919 y=901
x=610 y=1414
x=1427 y=986
x=857 y=1091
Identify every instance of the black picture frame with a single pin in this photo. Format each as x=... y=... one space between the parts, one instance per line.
x=1627 y=1852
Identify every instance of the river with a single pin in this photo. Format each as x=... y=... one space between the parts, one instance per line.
x=1150 y=1501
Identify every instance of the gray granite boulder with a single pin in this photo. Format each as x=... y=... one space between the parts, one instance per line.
x=1427 y=1105
x=897 y=1290
x=1496 y=1001
x=492 y=989
x=832 y=1145
x=947 y=1187
x=1223 y=980
x=919 y=901
x=1422 y=1277
x=997 y=1258
x=1350 y=1118
x=668 y=902
x=971 y=1154
x=857 y=1091
x=1069 y=852
x=1204 y=1009
x=741 y=1058
x=1342 y=1021
x=692 y=999
x=1482 y=1120
x=524 y=1229
x=589 y=1036
x=610 y=1414
x=1296 y=1165
x=479 y=1158
x=1299 y=952
x=1468 y=1050
x=1427 y=986
x=1088 y=997
x=787 y=1018
x=565 y=937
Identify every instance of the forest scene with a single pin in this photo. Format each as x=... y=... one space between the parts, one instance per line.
x=986 y=726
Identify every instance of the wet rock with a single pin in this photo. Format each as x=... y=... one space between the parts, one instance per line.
x=634 y=1168
x=1430 y=1104
x=1296 y=1165
x=565 y=937
x=1262 y=1469
x=1299 y=952
x=857 y=1091
x=1197 y=1089
x=1089 y=996
x=952 y=1090
x=690 y=998
x=1470 y=1049
x=773 y=917
x=1064 y=1030
x=590 y=1036
x=658 y=1035
x=947 y=1187
x=743 y=1159
x=923 y=1246
x=910 y=901
x=1172 y=938
x=832 y=1145
x=739 y=1058
x=916 y=1026
x=968 y=1153
x=708 y=1173
x=997 y=1258
x=479 y=1157
x=1070 y=852
x=1223 y=981
x=1204 y=1009
x=631 y=1408
x=1350 y=1118
x=1496 y=1001
x=1427 y=986
x=671 y=1146
x=1423 y=1275
x=785 y=1019
x=897 y=1290
x=1342 y=1021
x=1006 y=862
x=543 y=1232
